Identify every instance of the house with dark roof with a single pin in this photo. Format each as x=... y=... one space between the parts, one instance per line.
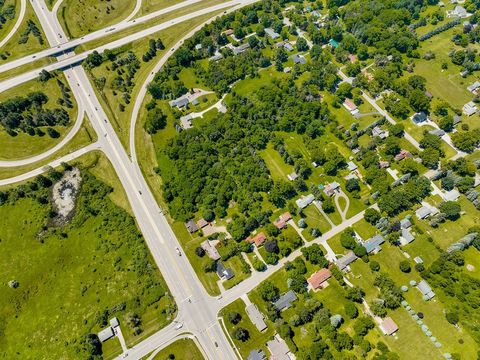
x=437 y=132
x=191 y=226
x=224 y=273
x=285 y=301
x=419 y=117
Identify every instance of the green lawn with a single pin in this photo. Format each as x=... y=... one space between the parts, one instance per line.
x=80 y=17
x=73 y=277
x=278 y=168
x=8 y=25
x=181 y=349
x=13 y=49
x=257 y=339
x=23 y=145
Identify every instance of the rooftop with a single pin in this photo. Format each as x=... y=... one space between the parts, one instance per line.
x=425 y=289
x=256 y=317
x=346 y=260
x=388 y=326
x=373 y=244
x=285 y=301
x=318 y=278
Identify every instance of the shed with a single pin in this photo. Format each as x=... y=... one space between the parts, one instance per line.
x=388 y=326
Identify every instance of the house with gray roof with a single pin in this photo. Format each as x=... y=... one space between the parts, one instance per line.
x=256 y=317
x=423 y=212
x=257 y=354
x=179 y=103
x=373 y=244
x=426 y=290
x=343 y=262
x=106 y=334
x=285 y=301
x=272 y=34
x=406 y=237
x=210 y=250
x=224 y=273
x=240 y=49
x=299 y=59
x=304 y=201
x=419 y=118
x=451 y=195
x=474 y=87
x=405 y=223
x=279 y=349
x=352 y=166
x=437 y=132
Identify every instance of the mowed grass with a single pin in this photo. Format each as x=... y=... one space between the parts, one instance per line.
x=83 y=137
x=5 y=30
x=181 y=349
x=23 y=145
x=257 y=339
x=67 y=281
x=80 y=17
x=121 y=120
x=150 y=6
x=15 y=50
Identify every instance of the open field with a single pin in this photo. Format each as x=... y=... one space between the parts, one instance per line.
x=181 y=349
x=23 y=145
x=85 y=16
x=149 y=6
x=5 y=28
x=84 y=282
x=13 y=49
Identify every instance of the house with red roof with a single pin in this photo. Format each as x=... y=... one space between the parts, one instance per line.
x=319 y=278
x=258 y=239
x=282 y=220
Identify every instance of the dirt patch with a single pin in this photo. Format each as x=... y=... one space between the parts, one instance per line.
x=64 y=195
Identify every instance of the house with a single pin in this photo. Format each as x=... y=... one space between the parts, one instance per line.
x=257 y=354
x=474 y=87
x=210 y=250
x=406 y=237
x=195 y=102
x=285 y=301
x=469 y=108
x=388 y=326
x=258 y=239
x=331 y=188
x=198 y=47
x=405 y=223
x=451 y=195
x=402 y=155
x=272 y=34
x=426 y=290
x=456 y=119
x=281 y=221
x=240 y=49
x=288 y=46
x=191 y=226
x=351 y=176
x=383 y=164
x=379 y=132
x=318 y=279
x=202 y=223
x=224 y=273
x=373 y=244
x=106 y=334
x=423 y=212
x=256 y=317
x=351 y=166
x=350 y=106
x=304 y=201
x=333 y=43
x=459 y=12
x=279 y=349
x=437 y=132
x=353 y=58
x=293 y=176
x=217 y=56
x=179 y=103
x=228 y=32
x=299 y=59
x=419 y=117
x=186 y=121
x=346 y=260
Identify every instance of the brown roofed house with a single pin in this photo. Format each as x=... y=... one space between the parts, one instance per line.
x=258 y=239
x=388 y=326
x=202 y=223
x=281 y=222
x=318 y=278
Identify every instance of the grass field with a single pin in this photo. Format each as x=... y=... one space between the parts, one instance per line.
x=5 y=30
x=149 y=6
x=257 y=339
x=181 y=349
x=84 y=136
x=73 y=276
x=15 y=50
x=24 y=145
x=85 y=16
